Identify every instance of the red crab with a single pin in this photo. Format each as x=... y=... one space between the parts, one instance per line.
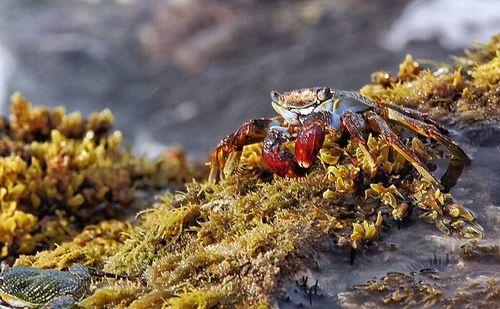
x=306 y=115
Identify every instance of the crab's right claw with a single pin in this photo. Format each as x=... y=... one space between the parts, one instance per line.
x=282 y=164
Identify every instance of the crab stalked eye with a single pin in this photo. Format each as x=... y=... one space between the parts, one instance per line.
x=275 y=96
x=324 y=94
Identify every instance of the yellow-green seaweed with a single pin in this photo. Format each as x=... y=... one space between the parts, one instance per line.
x=61 y=172
x=466 y=92
x=243 y=235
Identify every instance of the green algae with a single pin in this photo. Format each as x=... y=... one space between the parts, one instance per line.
x=233 y=244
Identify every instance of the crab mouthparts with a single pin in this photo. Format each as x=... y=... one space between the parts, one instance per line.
x=289 y=116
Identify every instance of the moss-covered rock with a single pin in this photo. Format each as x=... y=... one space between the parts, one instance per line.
x=233 y=243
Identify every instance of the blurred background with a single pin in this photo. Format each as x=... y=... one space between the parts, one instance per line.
x=191 y=71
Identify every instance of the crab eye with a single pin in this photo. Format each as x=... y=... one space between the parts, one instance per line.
x=324 y=94
x=275 y=96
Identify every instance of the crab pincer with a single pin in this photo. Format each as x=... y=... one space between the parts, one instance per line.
x=280 y=162
x=308 y=143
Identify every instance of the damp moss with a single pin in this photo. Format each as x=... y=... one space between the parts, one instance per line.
x=236 y=240
x=90 y=247
x=120 y=296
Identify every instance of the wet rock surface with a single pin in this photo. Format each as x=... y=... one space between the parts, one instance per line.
x=412 y=248
x=483 y=135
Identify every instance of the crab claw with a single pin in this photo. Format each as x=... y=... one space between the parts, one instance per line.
x=308 y=143
x=283 y=164
x=280 y=162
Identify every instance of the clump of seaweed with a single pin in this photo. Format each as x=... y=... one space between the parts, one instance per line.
x=459 y=284
x=61 y=172
x=91 y=247
x=466 y=92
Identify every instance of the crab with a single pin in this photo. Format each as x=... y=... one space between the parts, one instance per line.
x=307 y=115
x=29 y=287
x=22 y=286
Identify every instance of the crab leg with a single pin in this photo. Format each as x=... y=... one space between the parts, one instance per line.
x=392 y=140
x=250 y=132
x=353 y=123
x=280 y=162
x=428 y=130
x=340 y=94
x=415 y=114
x=452 y=174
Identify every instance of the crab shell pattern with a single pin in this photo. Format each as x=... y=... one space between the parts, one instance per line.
x=22 y=286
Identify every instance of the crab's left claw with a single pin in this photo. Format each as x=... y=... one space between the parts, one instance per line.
x=308 y=143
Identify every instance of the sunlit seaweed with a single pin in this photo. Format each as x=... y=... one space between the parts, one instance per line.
x=60 y=172
x=90 y=247
x=466 y=92
x=231 y=243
